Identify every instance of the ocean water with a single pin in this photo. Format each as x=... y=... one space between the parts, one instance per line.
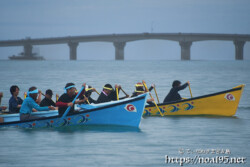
x=157 y=137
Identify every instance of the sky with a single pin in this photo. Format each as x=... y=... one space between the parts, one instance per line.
x=60 y=18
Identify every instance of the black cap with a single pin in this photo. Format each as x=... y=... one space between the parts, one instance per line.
x=49 y=92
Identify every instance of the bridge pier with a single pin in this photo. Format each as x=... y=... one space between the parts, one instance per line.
x=73 y=50
x=185 y=49
x=27 y=50
x=239 y=49
x=119 y=50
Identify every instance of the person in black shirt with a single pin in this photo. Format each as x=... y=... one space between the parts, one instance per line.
x=65 y=100
x=107 y=94
x=47 y=101
x=173 y=94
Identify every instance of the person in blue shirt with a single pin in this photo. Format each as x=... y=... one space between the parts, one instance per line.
x=15 y=102
x=29 y=103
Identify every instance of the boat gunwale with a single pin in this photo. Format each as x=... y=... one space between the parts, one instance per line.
x=199 y=97
x=81 y=112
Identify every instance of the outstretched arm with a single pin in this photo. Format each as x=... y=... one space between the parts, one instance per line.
x=182 y=86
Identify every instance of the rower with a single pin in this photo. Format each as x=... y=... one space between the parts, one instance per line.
x=109 y=94
x=173 y=94
x=15 y=102
x=87 y=94
x=140 y=90
x=66 y=99
x=29 y=103
x=47 y=101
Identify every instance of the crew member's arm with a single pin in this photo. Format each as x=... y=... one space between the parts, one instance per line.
x=81 y=101
x=182 y=86
x=34 y=105
x=39 y=99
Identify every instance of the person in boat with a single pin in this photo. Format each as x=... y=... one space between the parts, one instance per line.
x=139 y=89
x=47 y=101
x=65 y=100
x=15 y=102
x=173 y=94
x=30 y=103
x=109 y=94
x=87 y=94
x=2 y=108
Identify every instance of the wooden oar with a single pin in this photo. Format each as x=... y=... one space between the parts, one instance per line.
x=190 y=90
x=117 y=94
x=124 y=92
x=156 y=95
x=24 y=95
x=97 y=92
x=57 y=97
x=69 y=107
x=152 y=97
x=87 y=99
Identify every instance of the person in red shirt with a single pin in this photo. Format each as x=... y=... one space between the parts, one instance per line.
x=65 y=100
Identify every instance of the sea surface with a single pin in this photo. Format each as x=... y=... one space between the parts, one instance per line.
x=113 y=146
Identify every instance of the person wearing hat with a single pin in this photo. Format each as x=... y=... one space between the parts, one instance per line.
x=65 y=100
x=140 y=90
x=173 y=94
x=30 y=103
x=107 y=94
x=47 y=101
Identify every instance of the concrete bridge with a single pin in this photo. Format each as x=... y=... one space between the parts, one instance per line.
x=119 y=41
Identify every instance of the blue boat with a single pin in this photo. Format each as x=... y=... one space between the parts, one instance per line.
x=127 y=112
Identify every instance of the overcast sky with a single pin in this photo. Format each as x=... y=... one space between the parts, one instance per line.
x=57 y=18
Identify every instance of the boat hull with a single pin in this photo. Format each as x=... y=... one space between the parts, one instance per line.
x=222 y=104
x=126 y=112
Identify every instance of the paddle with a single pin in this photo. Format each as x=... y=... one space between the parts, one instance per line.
x=156 y=95
x=69 y=107
x=152 y=97
x=87 y=99
x=25 y=95
x=117 y=95
x=94 y=90
x=57 y=97
x=124 y=92
x=97 y=92
x=190 y=89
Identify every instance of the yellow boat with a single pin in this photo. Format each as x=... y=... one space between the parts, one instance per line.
x=223 y=103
